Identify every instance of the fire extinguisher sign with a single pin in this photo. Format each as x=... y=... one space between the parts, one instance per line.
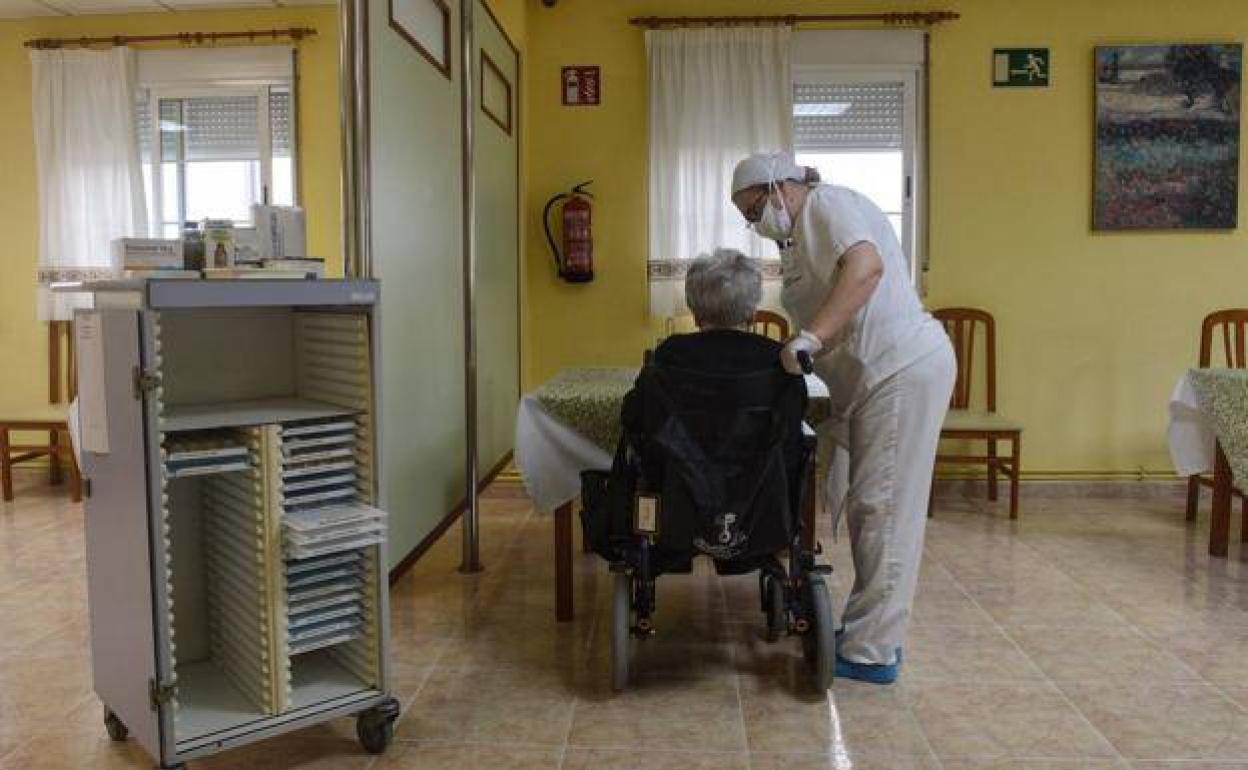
x=581 y=86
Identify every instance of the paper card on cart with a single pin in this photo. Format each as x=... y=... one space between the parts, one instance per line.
x=92 y=396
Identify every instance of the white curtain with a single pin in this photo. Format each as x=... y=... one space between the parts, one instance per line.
x=716 y=95
x=90 y=183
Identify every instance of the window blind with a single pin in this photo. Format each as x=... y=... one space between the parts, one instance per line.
x=279 y=122
x=143 y=123
x=848 y=117
x=221 y=128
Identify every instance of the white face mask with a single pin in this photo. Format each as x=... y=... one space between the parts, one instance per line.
x=775 y=222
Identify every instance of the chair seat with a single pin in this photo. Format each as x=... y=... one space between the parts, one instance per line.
x=37 y=413
x=975 y=420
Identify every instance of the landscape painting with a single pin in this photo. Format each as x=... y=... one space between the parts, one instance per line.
x=1167 y=136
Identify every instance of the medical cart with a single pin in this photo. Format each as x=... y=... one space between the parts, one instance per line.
x=236 y=563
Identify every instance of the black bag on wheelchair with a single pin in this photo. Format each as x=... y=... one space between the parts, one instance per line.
x=723 y=456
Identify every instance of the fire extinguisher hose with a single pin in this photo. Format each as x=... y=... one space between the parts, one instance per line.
x=550 y=238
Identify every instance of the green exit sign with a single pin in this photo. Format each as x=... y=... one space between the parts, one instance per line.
x=1020 y=67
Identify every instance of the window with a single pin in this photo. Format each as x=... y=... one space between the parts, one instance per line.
x=210 y=153
x=856 y=119
x=853 y=133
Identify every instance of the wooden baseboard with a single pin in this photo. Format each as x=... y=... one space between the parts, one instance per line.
x=413 y=556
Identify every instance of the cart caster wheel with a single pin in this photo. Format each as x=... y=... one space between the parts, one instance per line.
x=116 y=730
x=777 y=613
x=819 y=641
x=375 y=727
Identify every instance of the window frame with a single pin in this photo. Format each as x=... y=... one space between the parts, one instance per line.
x=912 y=165
x=262 y=91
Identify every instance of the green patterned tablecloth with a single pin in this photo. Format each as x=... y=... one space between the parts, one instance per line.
x=588 y=400
x=1223 y=395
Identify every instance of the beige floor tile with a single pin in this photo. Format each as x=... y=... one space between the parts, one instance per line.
x=954 y=609
x=1237 y=694
x=1218 y=654
x=851 y=719
x=404 y=755
x=1003 y=720
x=1089 y=653
x=809 y=761
x=960 y=654
x=1188 y=765
x=1033 y=764
x=662 y=713
x=1027 y=603
x=644 y=759
x=1164 y=721
x=83 y=750
x=490 y=706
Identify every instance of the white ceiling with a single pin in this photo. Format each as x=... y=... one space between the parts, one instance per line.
x=25 y=9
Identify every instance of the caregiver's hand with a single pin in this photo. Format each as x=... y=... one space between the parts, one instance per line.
x=802 y=342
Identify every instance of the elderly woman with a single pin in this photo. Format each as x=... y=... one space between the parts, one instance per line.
x=722 y=290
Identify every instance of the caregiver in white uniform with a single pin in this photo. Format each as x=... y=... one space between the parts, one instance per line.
x=890 y=369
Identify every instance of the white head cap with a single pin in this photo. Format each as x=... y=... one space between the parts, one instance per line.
x=765 y=168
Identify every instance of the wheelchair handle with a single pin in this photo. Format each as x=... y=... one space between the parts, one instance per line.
x=804 y=360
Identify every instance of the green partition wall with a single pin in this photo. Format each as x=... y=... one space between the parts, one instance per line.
x=415 y=209
x=496 y=188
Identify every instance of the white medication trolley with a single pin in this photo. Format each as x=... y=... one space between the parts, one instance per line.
x=236 y=559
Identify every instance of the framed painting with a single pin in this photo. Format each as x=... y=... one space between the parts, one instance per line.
x=1167 y=137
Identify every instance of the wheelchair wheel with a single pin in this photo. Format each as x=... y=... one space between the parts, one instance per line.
x=774 y=606
x=819 y=641
x=621 y=623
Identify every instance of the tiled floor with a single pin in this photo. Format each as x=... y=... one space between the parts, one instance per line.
x=1094 y=635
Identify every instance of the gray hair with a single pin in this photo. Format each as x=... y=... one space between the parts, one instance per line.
x=723 y=289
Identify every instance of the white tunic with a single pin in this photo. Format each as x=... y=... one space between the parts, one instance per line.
x=892 y=330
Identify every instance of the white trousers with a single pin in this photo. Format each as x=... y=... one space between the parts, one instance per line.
x=882 y=474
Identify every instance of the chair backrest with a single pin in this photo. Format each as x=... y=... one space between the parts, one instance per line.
x=961 y=324
x=765 y=321
x=62 y=363
x=1233 y=324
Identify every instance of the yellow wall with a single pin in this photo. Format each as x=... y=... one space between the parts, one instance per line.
x=1093 y=329
x=23 y=340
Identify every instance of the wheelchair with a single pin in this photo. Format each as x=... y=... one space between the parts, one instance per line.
x=721 y=467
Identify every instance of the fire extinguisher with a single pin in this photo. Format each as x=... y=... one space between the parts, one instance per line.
x=576 y=262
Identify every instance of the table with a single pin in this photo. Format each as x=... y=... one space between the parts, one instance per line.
x=1209 y=432
x=569 y=424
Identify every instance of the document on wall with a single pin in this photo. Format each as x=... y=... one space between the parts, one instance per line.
x=92 y=395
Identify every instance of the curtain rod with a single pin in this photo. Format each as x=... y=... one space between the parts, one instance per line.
x=185 y=38
x=907 y=18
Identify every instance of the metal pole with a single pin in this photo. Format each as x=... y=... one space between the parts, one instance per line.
x=347 y=99
x=472 y=514
x=363 y=144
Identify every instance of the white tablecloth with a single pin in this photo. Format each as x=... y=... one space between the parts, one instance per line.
x=551 y=455
x=1190 y=435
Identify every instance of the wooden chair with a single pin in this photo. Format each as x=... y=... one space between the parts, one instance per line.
x=50 y=418
x=965 y=423
x=1233 y=325
x=767 y=320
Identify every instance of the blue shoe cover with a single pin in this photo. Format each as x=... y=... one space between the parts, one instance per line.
x=865 y=672
x=840 y=633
